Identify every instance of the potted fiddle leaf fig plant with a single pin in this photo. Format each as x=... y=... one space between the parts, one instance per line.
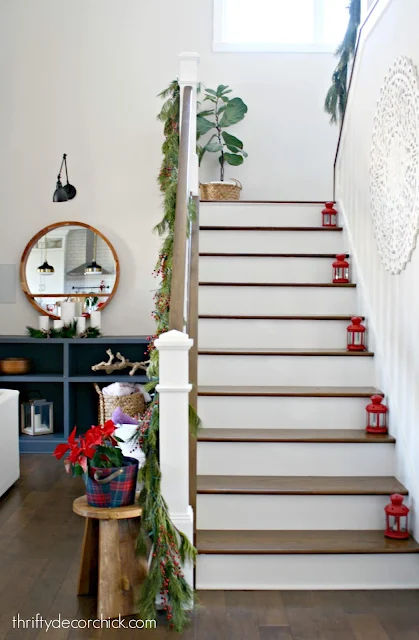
x=223 y=113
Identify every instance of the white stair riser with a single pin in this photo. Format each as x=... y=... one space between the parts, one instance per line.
x=292 y=334
x=314 y=571
x=277 y=300
x=286 y=370
x=290 y=513
x=282 y=413
x=217 y=269
x=271 y=241
x=269 y=215
x=295 y=459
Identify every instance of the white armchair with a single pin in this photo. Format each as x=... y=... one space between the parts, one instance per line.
x=9 y=438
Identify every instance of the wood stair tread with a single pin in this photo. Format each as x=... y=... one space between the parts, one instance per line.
x=216 y=227
x=330 y=256
x=294 y=392
x=283 y=352
x=299 y=485
x=300 y=542
x=292 y=435
x=347 y=318
x=322 y=285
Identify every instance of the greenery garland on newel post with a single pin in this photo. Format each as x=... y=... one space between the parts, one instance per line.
x=335 y=103
x=170 y=548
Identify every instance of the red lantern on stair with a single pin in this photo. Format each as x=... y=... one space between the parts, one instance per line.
x=329 y=215
x=397 y=516
x=356 y=335
x=341 y=269
x=377 y=416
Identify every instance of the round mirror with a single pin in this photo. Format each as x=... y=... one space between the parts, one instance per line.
x=69 y=261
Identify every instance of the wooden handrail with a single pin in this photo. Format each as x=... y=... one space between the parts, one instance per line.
x=193 y=353
x=178 y=288
x=354 y=61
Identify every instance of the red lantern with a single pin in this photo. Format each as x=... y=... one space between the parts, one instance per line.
x=377 y=416
x=330 y=215
x=356 y=335
x=397 y=518
x=340 y=269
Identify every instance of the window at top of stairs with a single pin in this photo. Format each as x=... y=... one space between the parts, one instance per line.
x=279 y=25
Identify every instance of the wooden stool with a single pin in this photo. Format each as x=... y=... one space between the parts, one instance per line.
x=109 y=565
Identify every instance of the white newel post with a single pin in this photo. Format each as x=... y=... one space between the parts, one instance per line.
x=173 y=389
x=188 y=77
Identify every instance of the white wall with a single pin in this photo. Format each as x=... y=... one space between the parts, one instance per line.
x=390 y=302
x=82 y=78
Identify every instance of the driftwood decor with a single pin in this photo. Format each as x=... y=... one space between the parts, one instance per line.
x=123 y=363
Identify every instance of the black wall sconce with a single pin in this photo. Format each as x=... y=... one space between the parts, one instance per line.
x=68 y=192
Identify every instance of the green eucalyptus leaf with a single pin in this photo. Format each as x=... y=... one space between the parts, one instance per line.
x=221 y=109
x=235 y=111
x=228 y=91
x=225 y=99
x=212 y=147
x=210 y=98
x=232 y=140
x=203 y=114
x=233 y=159
x=203 y=125
x=211 y=91
x=233 y=149
x=221 y=88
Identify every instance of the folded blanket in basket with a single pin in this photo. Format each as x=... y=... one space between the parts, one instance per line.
x=125 y=389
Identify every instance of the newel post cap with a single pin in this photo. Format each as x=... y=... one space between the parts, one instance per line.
x=173 y=341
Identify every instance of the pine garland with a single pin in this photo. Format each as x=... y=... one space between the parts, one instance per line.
x=335 y=103
x=170 y=547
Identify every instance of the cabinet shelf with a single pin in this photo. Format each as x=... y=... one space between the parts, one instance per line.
x=33 y=377
x=110 y=378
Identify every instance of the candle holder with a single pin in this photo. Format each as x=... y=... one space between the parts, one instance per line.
x=37 y=417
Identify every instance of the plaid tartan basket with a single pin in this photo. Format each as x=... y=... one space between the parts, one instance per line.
x=113 y=487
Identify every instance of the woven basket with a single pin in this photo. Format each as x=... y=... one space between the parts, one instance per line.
x=133 y=405
x=221 y=190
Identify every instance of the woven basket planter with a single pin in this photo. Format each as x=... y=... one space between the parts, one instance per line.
x=220 y=190
x=133 y=405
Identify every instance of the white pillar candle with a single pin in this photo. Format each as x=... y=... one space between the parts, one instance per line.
x=81 y=324
x=96 y=319
x=78 y=309
x=58 y=324
x=38 y=424
x=68 y=312
x=44 y=323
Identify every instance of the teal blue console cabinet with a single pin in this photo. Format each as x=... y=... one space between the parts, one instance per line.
x=61 y=373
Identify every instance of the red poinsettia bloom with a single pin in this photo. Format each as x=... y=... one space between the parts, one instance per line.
x=83 y=448
x=61 y=449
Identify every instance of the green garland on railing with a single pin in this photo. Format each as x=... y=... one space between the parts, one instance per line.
x=335 y=103
x=170 y=547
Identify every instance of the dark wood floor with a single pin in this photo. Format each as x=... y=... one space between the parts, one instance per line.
x=40 y=541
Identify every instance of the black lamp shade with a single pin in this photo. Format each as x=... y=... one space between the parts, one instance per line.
x=93 y=269
x=60 y=194
x=46 y=269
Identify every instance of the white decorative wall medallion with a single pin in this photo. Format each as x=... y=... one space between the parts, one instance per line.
x=394 y=172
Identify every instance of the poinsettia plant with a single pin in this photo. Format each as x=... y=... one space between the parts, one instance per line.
x=98 y=447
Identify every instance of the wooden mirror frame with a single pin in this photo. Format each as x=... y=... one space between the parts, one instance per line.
x=24 y=283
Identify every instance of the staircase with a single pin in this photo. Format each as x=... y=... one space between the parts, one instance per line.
x=291 y=491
